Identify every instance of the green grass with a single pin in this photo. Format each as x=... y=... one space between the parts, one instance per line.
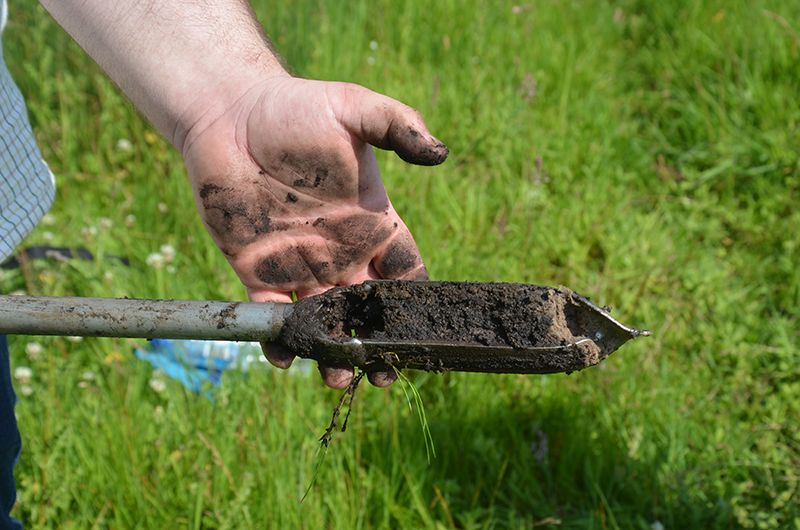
x=655 y=169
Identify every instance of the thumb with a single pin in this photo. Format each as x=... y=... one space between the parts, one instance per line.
x=388 y=124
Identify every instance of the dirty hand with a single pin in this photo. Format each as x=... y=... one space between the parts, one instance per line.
x=288 y=186
x=283 y=174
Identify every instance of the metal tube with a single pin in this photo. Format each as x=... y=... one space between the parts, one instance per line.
x=134 y=318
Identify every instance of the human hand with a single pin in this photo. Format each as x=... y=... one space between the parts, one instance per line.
x=288 y=186
x=282 y=170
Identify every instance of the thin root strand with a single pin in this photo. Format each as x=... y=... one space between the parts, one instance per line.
x=350 y=392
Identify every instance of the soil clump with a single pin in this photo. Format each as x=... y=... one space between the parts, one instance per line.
x=486 y=327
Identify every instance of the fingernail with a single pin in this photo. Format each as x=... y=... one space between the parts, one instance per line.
x=440 y=146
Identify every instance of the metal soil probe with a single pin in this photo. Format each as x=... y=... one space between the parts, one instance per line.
x=465 y=326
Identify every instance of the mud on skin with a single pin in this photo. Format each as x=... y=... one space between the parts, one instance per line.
x=348 y=240
x=316 y=174
x=309 y=216
x=236 y=217
x=422 y=154
x=464 y=316
x=398 y=260
x=244 y=212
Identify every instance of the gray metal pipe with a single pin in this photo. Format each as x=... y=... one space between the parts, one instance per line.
x=136 y=318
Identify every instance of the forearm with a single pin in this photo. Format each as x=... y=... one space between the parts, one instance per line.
x=183 y=63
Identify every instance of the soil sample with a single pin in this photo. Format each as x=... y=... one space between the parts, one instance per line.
x=466 y=326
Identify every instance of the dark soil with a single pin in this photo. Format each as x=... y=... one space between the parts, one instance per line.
x=490 y=327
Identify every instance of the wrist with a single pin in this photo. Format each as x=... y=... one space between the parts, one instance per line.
x=213 y=94
x=181 y=62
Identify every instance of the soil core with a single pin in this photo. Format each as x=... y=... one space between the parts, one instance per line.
x=482 y=327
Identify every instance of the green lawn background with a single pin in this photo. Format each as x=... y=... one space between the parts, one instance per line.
x=643 y=153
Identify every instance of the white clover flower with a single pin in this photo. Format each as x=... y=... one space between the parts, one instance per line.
x=23 y=374
x=75 y=339
x=172 y=269
x=89 y=376
x=84 y=384
x=163 y=207
x=158 y=385
x=123 y=144
x=373 y=45
x=540 y=447
x=34 y=350
x=371 y=60
x=168 y=251
x=26 y=390
x=88 y=232
x=48 y=236
x=105 y=223
x=108 y=276
x=49 y=219
x=155 y=260
x=130 y=220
